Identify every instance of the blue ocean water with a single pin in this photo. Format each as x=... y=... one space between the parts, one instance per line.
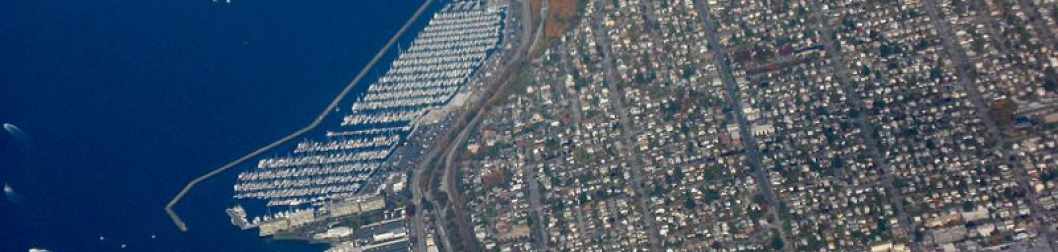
x=125 y=101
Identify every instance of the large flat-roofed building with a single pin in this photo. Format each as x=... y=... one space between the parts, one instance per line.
x=356 y=205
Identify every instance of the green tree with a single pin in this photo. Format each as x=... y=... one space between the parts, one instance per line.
x=776 y=241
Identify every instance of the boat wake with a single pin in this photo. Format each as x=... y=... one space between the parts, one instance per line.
x=24 y=144
x=11 y=195
x=21 y=137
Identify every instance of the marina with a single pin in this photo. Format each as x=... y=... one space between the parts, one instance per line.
x=424 y=76
x=319 y=183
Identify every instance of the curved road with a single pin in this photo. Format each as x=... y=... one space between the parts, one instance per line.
x=444 y=145
x=454 y=195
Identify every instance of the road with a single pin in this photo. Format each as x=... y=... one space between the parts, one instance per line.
x=966 y=78
x=578 y=117
x=874 y=148
x=417 y=222
x=1045 y=32
x=455 y=146
x=535 y=199
x=720 y=57
x=446 y=145
x=636 y=165
x=454 y=195
x=540 y=25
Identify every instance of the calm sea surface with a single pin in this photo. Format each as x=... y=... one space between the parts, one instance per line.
x=124 y=101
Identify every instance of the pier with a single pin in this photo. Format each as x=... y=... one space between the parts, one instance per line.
x=180 y=224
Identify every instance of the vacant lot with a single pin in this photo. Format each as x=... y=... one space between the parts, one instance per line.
x=561 y=16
